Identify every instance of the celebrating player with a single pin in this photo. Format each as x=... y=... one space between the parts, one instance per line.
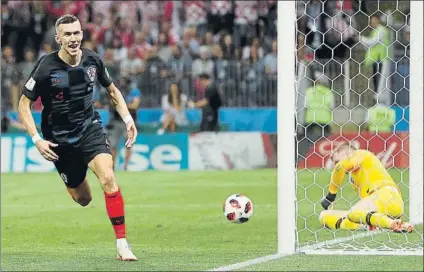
x=381 y=204
x=73 y=137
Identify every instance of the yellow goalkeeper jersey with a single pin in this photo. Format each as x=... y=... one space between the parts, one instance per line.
x=367 y=172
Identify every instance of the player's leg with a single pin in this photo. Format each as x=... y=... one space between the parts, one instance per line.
x=99 y=159
x=381 y=209
x=128 y=153
x=72 y=170
x=167 y=121
x=81 y=194
x=113 y=135
x=390 y=203
x=337 y=219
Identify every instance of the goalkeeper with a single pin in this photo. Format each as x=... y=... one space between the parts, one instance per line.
x=380 y=204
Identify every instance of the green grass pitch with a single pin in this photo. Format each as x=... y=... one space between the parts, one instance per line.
x=174 y=222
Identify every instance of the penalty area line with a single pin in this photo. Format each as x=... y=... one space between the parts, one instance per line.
x=303 y=249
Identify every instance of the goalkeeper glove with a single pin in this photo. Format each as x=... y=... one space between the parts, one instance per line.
x=328 y=200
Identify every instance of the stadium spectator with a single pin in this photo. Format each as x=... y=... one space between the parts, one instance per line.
x=179 y=68
x=141 y=45
x=221 y=16
x=196 y=16
x=27 y=65
x=319 y=105
x=377 y=56
x=110 y=63
x=120 y=52
x=46 y=48
x=173 y=105
x=256 y=44
x=202 y=65
x=165 y=51
x=98 y=29
x=380 y=118
x=253 y=76
x=131 y=66
x=246 y=16
x=153 y=79
x=270 y=60
x=228 y=47
x=10 y=76
x=224 y=72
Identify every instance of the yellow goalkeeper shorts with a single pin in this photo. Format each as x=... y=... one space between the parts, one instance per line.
x=388 y=200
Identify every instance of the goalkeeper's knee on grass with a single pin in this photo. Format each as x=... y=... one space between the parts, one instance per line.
x=335 y=221
x=371 y=218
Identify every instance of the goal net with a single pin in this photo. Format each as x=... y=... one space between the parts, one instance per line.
x=358 y=79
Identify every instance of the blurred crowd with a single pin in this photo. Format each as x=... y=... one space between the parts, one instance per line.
x=153 y=44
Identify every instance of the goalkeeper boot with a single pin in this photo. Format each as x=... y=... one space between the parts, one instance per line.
x=124 y=251
x=402 y=227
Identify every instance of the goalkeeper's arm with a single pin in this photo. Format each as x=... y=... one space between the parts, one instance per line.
x=336 y=180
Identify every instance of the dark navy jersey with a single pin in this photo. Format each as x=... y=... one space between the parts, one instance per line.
x=66 y=94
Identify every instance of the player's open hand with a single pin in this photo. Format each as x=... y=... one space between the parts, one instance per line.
x=43 y=147
x=131 y=133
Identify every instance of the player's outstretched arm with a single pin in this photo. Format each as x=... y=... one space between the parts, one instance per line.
x=43 y=146
x=121 y=107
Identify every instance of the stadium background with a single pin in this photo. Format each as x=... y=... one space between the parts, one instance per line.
x=156 y=43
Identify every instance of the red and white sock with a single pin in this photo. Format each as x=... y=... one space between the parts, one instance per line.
x=115 y=211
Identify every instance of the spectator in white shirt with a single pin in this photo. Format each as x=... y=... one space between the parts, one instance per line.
x=256 y=44
x=203 y=64
x=270 y=59
x=174 y=104
x=131 y=65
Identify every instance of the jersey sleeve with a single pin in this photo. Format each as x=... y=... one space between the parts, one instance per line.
x=34 y=85
x=104 y=77
x=340 y=170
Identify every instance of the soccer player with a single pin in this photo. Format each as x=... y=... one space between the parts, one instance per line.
x=73 y=137
x=380 y=204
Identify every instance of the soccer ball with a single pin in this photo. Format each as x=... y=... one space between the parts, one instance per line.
x=238 y=208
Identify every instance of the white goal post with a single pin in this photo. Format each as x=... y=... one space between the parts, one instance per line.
x=288 y=206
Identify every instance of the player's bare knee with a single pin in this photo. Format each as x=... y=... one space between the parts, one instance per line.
x=109 y=182
x=84 y=200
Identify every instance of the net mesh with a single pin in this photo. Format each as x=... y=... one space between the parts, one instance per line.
x=352 y=86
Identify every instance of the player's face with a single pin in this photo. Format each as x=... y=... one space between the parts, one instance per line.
x=70 y=37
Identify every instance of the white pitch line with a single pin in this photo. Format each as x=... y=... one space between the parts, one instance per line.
x=260 y=260
x=303 y=249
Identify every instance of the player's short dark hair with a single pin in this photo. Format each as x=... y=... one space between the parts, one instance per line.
x=66 y=19
x=204 y=76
